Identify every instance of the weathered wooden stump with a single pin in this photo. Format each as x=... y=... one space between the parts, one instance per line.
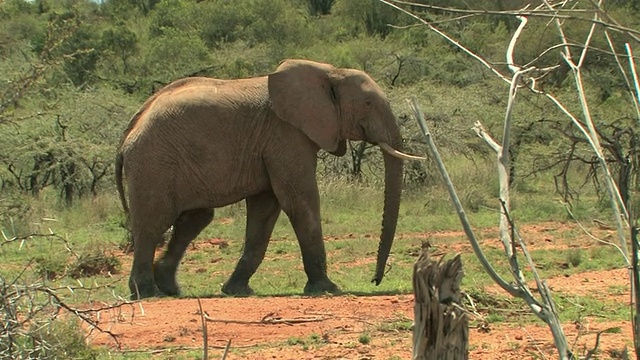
x=441 y=329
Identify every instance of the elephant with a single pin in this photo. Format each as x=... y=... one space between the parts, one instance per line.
x=201 y=143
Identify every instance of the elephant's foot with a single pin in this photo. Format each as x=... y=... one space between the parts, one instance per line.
x=237 y=289
x=143 y=289
x=321 y=287
x=165 y=278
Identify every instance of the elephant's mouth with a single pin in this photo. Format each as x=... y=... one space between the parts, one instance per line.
x=357 y=133
x=399 y=154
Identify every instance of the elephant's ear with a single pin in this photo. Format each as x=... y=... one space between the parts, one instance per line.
x=301 y=93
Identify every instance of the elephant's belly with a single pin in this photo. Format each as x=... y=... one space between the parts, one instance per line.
x=222 y=190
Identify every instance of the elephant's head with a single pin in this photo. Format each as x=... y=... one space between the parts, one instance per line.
x=332 y=105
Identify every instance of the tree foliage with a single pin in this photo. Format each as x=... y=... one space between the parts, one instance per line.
x=320 y=7
x=74 y=71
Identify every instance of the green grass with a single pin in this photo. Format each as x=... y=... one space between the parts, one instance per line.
x=351 y=216
x=574 y=308
x=314 y=340
x=397 y=324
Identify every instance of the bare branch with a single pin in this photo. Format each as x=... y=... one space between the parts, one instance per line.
x=510 y=288
x=25 y=312
x=632 y=66
x=545 y=310
x=447 y=37
x=551 y=13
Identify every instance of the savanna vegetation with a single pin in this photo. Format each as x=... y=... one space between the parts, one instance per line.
x=72 y=72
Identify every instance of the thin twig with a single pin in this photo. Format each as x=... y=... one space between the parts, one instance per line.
x=226 y=349
x=50 y=235
x=593 y=350
x=588 y=233
x=205 y=342
x=183 y=348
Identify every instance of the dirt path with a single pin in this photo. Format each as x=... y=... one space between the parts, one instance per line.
x=330 y=328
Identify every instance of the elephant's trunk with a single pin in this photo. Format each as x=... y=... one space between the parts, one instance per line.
x=392 y=192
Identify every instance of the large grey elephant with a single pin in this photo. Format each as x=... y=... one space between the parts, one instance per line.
x=201 y=143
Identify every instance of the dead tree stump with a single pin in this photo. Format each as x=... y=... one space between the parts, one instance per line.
x=441 y=329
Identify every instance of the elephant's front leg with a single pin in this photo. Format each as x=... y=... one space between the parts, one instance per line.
x=262 y=213
x=304 y=213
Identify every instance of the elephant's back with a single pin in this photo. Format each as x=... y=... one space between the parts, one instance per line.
x=204 y=137
x=214 y=95
x=186 y=103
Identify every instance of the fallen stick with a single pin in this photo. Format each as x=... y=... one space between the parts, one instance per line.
x=267 y=319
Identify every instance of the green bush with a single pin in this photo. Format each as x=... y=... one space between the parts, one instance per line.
x=187 y=51
x=15 y=211
x=369 y=17
x=57 y=339
x=51 y=266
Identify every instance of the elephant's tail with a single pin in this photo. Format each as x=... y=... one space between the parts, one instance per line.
x=119 y=183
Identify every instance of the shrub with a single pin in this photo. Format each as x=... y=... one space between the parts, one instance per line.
x=57 y=340
x=94 y=263
x=51 y=267
x=364 y=338
x=575 y=257
x=32 y=328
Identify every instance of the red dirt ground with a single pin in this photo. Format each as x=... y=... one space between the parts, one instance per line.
x=331 y=326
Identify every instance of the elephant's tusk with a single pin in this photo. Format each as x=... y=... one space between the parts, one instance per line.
x=386 y=147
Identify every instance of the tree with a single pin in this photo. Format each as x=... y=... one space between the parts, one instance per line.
x=372 y=17
x=320 y=7
x=121 y=43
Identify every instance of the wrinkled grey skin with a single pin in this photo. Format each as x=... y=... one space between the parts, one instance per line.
x=200 y=144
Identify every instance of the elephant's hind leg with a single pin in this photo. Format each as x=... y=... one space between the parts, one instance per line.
x=262 y=213
x=188 y=225
x=141 y=281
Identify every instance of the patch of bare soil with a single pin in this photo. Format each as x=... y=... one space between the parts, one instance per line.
x=540 y=236
x=324 y=328
x=604 y=285
x=338 y=327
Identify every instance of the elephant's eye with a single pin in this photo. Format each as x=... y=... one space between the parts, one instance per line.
x=367 y=103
